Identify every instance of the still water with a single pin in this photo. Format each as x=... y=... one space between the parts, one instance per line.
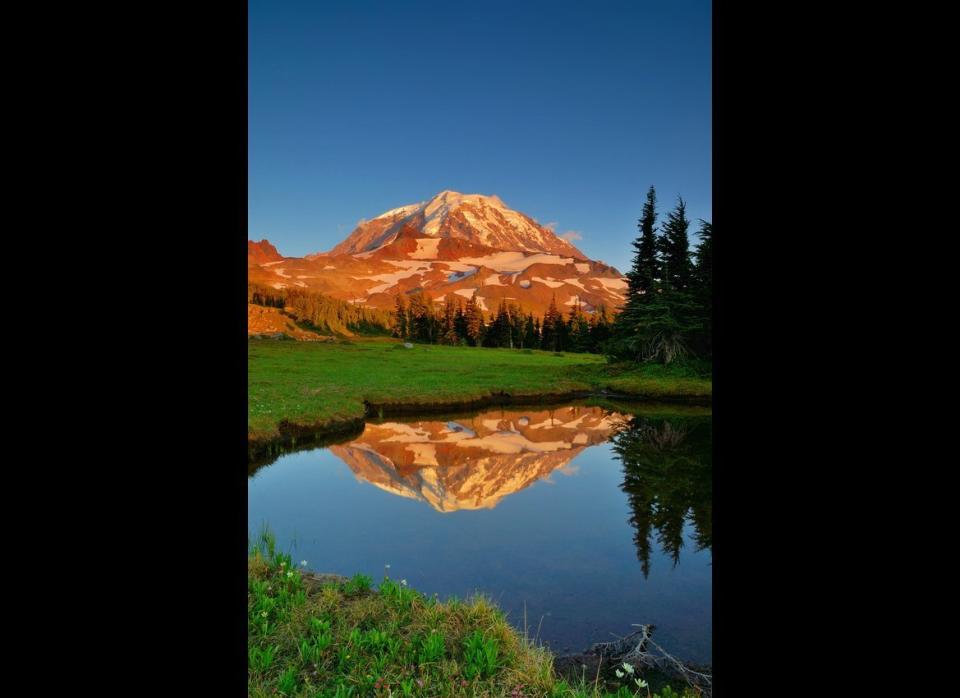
x=586 y=519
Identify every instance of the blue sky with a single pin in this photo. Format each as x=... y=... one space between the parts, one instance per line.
x=566 y=110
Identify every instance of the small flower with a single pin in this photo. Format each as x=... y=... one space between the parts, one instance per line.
x=403 y=582
x=387 y=566
x=628 y=667
x=619 y=674
x=303 y=563
x=264 y=614
x=290 y=573
x=640 y=683
x=283 y=564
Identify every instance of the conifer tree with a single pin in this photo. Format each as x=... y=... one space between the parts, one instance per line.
x=553 y=328
x=449 y=328
x=474 y=319
x=578 y=328
x=703 y=285
x=400 y=313
x=646 y=265
x=675 y=248
x=422 y=321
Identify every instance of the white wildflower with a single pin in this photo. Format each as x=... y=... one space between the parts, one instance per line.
x=619 y=674
x=403 y=582
x=303 y=563
x=628 y=667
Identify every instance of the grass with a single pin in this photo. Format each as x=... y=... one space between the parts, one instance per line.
x=348 y=639
x=320 y=385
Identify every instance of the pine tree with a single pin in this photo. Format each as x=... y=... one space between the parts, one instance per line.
x=703 y=286
x=474 y=320
x=578 y=328
x=646 y=265
x=422 y=322
x=553 y=328
x=675 y=248
x=449 y=325
x=599 y=328
x=641 y=280
x=400 y=315
x=460 y=322
x=530 y=334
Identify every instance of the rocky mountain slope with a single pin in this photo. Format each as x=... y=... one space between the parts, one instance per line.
x=456 y=245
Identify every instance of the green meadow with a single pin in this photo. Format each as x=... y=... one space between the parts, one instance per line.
x=320 y=385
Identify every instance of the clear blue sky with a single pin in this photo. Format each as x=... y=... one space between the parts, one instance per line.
x=566 y=110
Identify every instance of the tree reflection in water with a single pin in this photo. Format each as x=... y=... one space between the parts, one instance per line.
x=667 y=467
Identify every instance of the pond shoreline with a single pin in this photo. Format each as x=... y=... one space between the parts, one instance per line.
x=570 y=666
x=293 y=435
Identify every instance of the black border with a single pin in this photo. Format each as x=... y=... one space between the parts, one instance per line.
x=175 y=114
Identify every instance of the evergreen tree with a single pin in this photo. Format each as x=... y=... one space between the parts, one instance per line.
x=675 y=248
x=460 y=322
x=553 y=328
x=474 y=320
x=400 y=315
x=665 y=327
x=422 y=322
x=530 y=338
x=599 y=328
x=703 y=285
x=578 y=329
x=448 y=333
x=641 y=279
x=646 y=265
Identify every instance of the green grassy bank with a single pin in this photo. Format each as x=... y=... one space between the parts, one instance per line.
x=342 y=638
x=322 y=387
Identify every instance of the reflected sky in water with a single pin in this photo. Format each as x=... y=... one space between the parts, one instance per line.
x=532 y=507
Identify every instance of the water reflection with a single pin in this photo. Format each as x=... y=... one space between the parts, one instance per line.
x=667 y=466
x=473 y=463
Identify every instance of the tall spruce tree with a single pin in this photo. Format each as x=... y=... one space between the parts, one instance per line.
x=675 y=248
x=703 y=286
x=641 y=280
x=400 y=314
x=474 y=318
x=646 y=265
x=553 y=328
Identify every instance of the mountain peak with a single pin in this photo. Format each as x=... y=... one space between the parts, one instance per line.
x=476 y=218
x=261 y=252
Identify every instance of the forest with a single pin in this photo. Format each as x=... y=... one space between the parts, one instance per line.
x=315 y=311
x=667 y=315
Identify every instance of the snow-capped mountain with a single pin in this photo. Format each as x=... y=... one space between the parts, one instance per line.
x=483 y=220
x=454 y=245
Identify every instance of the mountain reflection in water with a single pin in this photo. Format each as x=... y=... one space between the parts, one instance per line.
x=473 y=463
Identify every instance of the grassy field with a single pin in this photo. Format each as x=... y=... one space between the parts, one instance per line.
x=344 y=638
x=322 y=384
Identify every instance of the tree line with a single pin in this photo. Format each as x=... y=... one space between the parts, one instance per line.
x=320 y=312
x=417 y=318
x=668 y=313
